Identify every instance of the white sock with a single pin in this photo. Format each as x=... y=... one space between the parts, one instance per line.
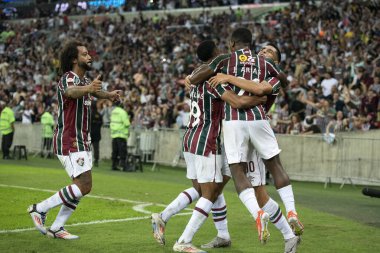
x=62 y=196
x=287 y=197
x=49 y=203
x=71 y=195
x=184 y=199
x=276 y=217
x=200 y=214
x=219 y=215
x=249 y=200
x=63 y=215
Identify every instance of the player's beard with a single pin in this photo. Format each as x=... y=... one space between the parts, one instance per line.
x=85 y=66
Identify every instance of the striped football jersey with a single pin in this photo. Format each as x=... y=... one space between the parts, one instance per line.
x=245 y=64
x=74 y=118
x=202 y=134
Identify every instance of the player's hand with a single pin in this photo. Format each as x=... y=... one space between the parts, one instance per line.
x=187 y=83
x=96 y=85
x=114 y=96
x=218 y=79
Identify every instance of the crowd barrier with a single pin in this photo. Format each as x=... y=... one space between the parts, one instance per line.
x=352 y=158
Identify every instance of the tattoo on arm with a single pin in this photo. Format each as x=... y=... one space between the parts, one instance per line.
x=101 y=94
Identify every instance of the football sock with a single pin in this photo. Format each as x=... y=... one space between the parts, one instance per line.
x=249 y=200
x=184 y=199
x=71 y=196
x=219 y=215
x=67 y=195
x=199 y=216
x=287 y=197
x=276 y=217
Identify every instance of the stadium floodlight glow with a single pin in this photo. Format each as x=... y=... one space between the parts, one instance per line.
x=106 y=3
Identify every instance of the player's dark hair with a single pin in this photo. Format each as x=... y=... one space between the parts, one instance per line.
x=277 y=51
x=68 y=54
x=242 y=35
x=205 y=50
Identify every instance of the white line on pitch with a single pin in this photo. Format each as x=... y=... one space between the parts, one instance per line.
x=87 y=196
x=87 y=223
x=139 y=208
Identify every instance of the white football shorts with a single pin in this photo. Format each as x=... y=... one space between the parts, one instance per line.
x=76 y=163
x=204 y=169
x=238 y=135
x=255 y=168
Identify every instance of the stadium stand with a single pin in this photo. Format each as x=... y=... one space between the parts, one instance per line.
x=330 y=53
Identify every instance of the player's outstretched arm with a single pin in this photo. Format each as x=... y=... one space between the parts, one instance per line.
x=113 y=95
x=76 y=92
x=239 y=102
x=259 y=89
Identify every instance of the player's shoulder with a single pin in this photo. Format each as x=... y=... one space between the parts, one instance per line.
x=70 y=77
x=221 y=57
x=269 y=60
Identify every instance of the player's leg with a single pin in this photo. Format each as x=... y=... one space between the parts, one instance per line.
x=278 y=220
x=265 y=142
x=236 y=141
x=219 y=215
x=68 y=196
x=273 y=209
x=201 y=211
x=82 y=184
x=256 y=172
x=184 y=199
x=285 y=190
x=209 y=175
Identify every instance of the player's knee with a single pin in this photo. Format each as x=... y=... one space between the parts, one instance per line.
x=85 y=187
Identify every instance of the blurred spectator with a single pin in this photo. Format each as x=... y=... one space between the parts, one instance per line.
x=338 y=124
x=47 y=123
x=295 y=126
x=7 y=119
x=119 y=133
x=309 y=127
x=27 y=114
x=328 y=83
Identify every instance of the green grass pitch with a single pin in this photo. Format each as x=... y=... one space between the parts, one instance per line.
x=116 y=219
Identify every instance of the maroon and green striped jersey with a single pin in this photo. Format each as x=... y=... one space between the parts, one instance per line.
x=245 y=64
x=202 y=134
x=74 y=118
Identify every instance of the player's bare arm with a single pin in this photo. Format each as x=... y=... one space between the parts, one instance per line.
x=76 y=92
x=239 y=102
x=113 y=95
x=201 y=74
x=259 y=89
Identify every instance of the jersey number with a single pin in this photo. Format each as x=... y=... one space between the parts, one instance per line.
x=250 y=167
x=195 y=112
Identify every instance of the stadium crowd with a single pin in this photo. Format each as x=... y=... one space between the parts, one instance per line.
x=329 y=52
